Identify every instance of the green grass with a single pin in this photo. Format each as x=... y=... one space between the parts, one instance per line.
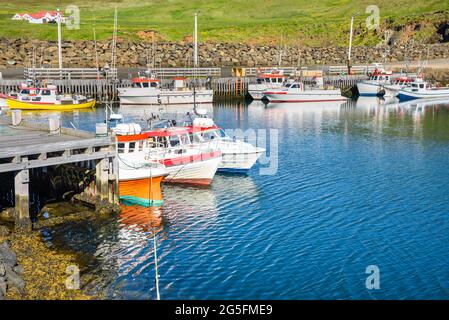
x=304 y=22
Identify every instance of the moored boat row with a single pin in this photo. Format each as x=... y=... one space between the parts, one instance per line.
x=178 y=154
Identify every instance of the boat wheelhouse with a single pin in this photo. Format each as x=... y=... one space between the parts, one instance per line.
x=237 y=156
x=185 y=161
x=265 y=81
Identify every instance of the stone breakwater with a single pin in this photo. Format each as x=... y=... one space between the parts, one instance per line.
x=22 y=53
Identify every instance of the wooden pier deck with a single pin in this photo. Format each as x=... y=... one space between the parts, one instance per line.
x=30 y=146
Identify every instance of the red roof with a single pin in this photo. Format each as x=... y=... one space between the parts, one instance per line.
x=41 y=14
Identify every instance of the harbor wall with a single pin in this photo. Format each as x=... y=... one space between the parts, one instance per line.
x=21 y=53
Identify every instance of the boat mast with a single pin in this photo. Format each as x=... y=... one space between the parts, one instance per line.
x=350 y=42
x=195 y=42
x=59 y=40
x=114 y=41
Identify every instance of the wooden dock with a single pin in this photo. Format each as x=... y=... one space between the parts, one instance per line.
x=30 y=146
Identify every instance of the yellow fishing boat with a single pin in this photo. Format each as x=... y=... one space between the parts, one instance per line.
x=23 y=105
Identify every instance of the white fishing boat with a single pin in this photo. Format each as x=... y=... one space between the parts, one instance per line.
x=375 y=83
x=147 y=90
x=392 y=90
x=237 y=156
x=184 y=161
x=298 y=92
x=420 y=89
x=266 y=81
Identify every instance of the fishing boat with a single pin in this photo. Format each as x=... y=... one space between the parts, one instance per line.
x=375 y=83
x=266 y=81
x=392 y=90
x=298 y=92
x=147 y=90
x=47 y=98
x=237 y=156
x=420 y=89
x=185 y=162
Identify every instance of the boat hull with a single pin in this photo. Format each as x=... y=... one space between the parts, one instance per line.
x=138 y=97
x=369 y=89
x=305 y=96
x=256 y=94
x=140 y=185
x=15 y=104
x=238 y=162
x=408 y=95
x=195 y=173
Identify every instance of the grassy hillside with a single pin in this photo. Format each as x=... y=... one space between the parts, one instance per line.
x=305 y=22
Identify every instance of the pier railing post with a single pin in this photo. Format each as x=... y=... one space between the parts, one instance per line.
x=22 y=207
x=102 y=179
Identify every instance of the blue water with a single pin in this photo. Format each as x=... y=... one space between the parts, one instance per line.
x=358 y=184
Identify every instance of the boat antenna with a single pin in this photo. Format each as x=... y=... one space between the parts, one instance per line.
x=156 y=276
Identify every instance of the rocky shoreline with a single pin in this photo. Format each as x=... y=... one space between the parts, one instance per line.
x=20 y=53
x=31 y=269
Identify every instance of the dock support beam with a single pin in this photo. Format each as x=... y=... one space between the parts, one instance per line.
x=106 y=180
x=22 y=207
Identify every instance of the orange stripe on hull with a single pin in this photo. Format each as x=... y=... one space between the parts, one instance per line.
x=147 y=188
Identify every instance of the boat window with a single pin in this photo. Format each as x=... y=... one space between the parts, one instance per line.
x=208 y=135
x=153 y=84
x=196 y=138
x=45 y=92
x=288 y=85
x=132 y=147
x=121 y=148
x=145 y=84
x=421 y=85
x=295 y=86
x=184 y=139
x=259 y=81
x=25 y=91
x=174 y=141
x=151 y=143
x=220 y=133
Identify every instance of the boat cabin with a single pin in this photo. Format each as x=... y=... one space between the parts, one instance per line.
x=163 y=138
x=143 y=82
x=270 y=78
